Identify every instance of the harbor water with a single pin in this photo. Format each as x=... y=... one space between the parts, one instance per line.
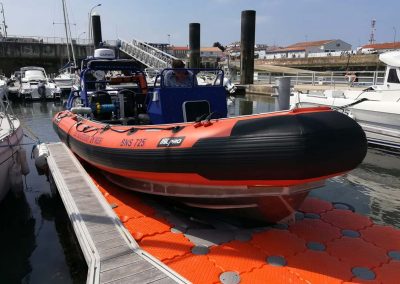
x=38 y=242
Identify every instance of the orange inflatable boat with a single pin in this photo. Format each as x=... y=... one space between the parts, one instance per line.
x=233 y=163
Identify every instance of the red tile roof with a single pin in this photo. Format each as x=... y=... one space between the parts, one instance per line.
x=285 y=49
x=210 y=49
x=179 y=48
x=301 y=46
x=385 y=45
x=204 y=49
x=305 y=44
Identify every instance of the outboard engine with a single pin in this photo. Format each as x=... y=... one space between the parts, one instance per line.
x=228 y=85
x=42 y=90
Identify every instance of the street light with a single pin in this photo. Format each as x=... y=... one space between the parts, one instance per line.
x=90 y=22
x=4 y=20
x=394 y=37
x=79 y=36
x=169 y=39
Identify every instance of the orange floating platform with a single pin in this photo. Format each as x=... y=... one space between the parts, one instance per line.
x=328 y=243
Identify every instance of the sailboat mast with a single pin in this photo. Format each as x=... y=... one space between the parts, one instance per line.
x=70 y=35
x=66 y=29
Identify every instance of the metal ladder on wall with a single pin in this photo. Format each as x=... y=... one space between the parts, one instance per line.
x=146 y=54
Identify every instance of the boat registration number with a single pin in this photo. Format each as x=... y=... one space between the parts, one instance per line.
x=140 y=142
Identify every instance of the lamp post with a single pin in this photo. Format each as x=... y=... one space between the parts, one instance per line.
x=394 y=37
x=90 y=21
x=4 y=20
x=79 y=36
x=169 y=39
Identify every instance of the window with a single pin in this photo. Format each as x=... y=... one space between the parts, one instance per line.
x=392 y=77
x=33 y=74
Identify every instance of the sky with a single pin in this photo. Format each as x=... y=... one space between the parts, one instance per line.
x=278 y=22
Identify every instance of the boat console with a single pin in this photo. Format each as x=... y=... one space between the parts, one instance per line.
x=115 y=91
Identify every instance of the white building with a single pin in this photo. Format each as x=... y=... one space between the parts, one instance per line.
x=302 y=49
x=379 y=47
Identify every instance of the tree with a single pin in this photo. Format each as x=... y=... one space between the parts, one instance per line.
x=219 y=45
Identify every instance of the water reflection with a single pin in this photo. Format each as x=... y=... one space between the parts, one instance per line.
x=260 y=104
x=55 y=256
x=17 y=238
x=50 y=205
x=378 y=177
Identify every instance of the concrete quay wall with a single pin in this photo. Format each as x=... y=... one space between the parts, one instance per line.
x=356 y=61
x=14 y=55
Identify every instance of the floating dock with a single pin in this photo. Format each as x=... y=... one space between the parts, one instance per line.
x=328 y=243
x=111 y=253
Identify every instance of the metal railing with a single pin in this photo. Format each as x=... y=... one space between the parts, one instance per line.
x=334 y=78
x=41 y=39
x=297 y=55
x=147 y=54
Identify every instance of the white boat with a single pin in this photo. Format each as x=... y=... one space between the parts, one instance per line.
x=151 y=75
x=14 y=85
x=10 y=138
x=376 y=108
x=34 y=84
x=66 y=78
x=210 y=78
x=3 y=84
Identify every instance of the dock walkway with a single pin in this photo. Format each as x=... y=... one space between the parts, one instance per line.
x=111 y=253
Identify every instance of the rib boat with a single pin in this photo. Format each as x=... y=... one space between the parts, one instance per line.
x=179 y=143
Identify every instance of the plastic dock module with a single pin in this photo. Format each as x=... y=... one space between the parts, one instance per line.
x=112 y=255
x=328 y=243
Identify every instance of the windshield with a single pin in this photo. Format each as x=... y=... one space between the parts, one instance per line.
x=34 y=74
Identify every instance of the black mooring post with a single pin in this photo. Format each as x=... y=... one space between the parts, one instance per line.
x=194 y=45
x=96 y=26
x=247 y=41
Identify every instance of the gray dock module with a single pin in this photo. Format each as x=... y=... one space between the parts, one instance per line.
x=112 y=255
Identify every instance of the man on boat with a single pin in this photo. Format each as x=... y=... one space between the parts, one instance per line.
x=179 y=77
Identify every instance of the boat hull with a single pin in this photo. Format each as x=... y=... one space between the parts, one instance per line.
x=235 y=163
x=261 y=204
x=7 y=158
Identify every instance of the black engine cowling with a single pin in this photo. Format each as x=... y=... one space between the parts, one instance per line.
x=42 y=90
